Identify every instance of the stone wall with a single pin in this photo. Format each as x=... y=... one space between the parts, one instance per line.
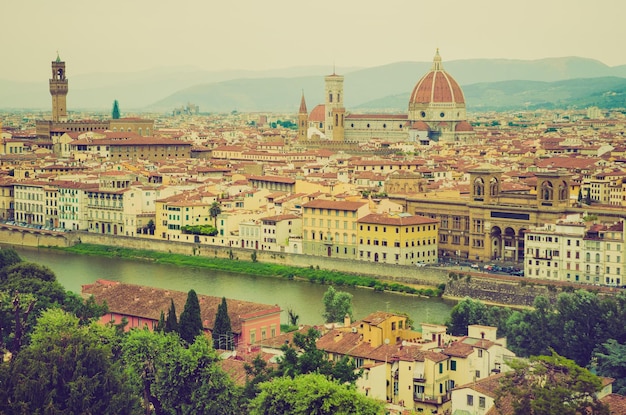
x=388 y=272
x=498 y=291
x=32 y=237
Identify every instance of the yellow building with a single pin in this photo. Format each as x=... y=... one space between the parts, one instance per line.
x=402 y=239
x=397 y=367
x=330 y=227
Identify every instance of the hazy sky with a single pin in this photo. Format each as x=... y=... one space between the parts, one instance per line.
x=134 y=35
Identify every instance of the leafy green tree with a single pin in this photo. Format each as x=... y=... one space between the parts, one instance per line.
x=312 y=394
x=610 y=360
x=9 y=256
x=337 y=304
x=257 y=372
x=87 y=310
x=548 y=385
x=581 y=323
x=522 y=328
x=178 y=379
x=190 y=324
x=115 y=113
x=464 y=313
x=68 y=369
x=171 y=323
x=222 y=332
x=303 y=357
x=40 y=284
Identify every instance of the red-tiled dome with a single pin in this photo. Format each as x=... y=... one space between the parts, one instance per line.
x=318 y=114
x=420 y=126
x=437 y=86
x=463 y=126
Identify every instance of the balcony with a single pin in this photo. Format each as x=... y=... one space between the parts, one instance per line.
x=431 y=399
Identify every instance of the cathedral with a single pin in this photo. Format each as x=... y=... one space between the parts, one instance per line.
x=436 y=114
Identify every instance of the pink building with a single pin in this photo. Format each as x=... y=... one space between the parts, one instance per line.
x=141 y=306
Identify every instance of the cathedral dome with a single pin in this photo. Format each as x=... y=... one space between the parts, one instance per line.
x=437 y=87
x=318 y=114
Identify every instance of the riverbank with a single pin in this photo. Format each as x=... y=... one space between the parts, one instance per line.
x=252 y=267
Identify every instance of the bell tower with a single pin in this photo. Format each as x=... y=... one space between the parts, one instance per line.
x=58 y=90
x=303 y=120
x=335 y=111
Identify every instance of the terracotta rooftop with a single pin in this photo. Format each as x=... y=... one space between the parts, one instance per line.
x=148 y=302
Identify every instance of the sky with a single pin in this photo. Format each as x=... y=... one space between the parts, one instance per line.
x=134 y=35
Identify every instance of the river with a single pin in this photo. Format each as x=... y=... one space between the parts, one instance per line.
x=305 y=298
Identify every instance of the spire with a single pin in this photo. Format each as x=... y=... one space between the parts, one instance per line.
x=437 y=66
x=303 y=105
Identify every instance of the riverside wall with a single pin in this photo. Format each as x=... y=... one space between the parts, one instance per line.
x=509 y=291
x=388 y=272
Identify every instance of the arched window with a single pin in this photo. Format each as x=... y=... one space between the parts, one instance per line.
x=479 y=187
x=493 y=187
x=547 y=191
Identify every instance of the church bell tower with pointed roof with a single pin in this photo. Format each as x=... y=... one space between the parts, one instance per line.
x=303 y=120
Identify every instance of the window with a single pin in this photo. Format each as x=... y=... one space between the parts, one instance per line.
x=477 y=374
x=470 y=400
x=481 y=402
x=480 y=352
x=453 y=365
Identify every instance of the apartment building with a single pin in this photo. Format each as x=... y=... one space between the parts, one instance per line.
x=397 y=238
x=329 y=227
x=576 y=251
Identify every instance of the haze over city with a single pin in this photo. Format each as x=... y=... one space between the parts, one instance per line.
x=122 y=36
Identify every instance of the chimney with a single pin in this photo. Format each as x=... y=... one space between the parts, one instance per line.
x=346 y=320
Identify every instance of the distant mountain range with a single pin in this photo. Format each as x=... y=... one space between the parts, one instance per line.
x=488 y=84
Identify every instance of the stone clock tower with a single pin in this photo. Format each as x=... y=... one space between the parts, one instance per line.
x=58 y=90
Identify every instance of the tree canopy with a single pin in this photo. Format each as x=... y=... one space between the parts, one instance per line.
x=68 y=368
x=548 y=385
x=176 y=378
x=337 y=304
x=311 y=394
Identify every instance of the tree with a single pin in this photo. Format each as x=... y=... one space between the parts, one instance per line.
x=43 y=290
x=337 y=304
x=171 y=323
x=68 y=368
x=115 y=114
x=161 y=323
x=214 y=211
x=303 y=357
x=311 y=394
x=257 y=372
x=610 y=360
x=175 y=378
x=9 y=256
x=464 y=313
x=222 y=332
x=190 y=324
x=547 y=385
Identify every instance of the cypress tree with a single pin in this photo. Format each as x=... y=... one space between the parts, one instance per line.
x=222 y=332
x=190 y=324
x=161 y=324
x=171 y=324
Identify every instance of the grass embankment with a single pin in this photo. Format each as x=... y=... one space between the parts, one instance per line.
x=310 y=274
